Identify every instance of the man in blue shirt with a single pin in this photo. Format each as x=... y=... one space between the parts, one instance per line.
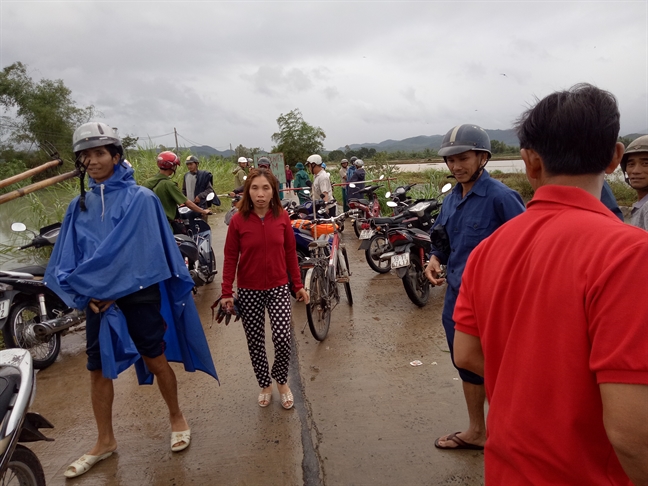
x=475 y=208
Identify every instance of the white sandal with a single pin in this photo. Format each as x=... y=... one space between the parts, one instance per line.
x=285 y=398
x=264 y=399
x=182 y=438
x=83 y=464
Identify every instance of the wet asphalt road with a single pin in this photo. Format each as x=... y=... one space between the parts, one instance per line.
x=363 y=415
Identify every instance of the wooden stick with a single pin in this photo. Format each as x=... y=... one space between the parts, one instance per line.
x=10 y=196
x=29 y=173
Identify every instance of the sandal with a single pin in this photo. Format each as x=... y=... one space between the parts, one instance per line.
x=83 y=464
x=182 y=439
x=287 y=400
x=264 y=399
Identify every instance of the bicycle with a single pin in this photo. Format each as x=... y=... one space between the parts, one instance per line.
x=327 y=267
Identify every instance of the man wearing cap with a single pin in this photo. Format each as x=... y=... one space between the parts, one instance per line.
x=240 y=173
x=635 y=168
x=322 y=188
x=197 y=184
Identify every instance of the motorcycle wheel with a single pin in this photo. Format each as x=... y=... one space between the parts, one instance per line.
x=23 y=469
x=347 y=285
x=318 y=310
x=17 y=333
x=211 y=278
x=416 y=284
x=357 y=227
x=377 y=246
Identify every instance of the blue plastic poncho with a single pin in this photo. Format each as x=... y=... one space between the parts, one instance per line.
x=121 y=244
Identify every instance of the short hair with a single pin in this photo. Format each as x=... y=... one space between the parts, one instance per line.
x=574 y=131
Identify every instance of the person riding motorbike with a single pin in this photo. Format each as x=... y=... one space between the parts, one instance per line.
x=169 y=192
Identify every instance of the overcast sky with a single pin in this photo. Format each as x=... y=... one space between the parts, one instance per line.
x=222 y=72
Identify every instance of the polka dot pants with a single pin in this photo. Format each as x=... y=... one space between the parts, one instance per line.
x=253 y=304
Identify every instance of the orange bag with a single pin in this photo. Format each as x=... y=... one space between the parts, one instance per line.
x=303 y=225
x=322 y=229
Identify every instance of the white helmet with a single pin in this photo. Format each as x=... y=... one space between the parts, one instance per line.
x=314 y=159
x=242 y=160
x=359 y=163
x=95 y=134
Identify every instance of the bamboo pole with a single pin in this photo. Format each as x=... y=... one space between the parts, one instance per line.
x=10 y=196
x=29 y=173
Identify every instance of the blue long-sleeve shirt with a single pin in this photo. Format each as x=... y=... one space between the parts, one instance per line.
x=468 y=220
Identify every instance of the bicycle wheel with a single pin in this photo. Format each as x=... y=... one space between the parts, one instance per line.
x=347 y=285
x=318 y=310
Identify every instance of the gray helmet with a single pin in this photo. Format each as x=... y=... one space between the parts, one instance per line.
x=249 y=161
x=95 y=134
x=637 y=145
x=344 y=161
x=192 y=159
x=358 y=163
x=353 y=159
x=463 y=138
x=263 y=161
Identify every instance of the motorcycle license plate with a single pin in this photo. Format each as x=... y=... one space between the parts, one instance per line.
x=398 y=261
x=4 y=308
x=366 y=234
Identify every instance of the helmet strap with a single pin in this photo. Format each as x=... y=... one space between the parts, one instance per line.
x=478 y=172
x=78 y=163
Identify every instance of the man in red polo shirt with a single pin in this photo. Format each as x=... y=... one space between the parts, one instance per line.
x=548 y=314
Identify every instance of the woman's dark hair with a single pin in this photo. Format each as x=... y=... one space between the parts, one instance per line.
x=246 y=206
x=574 y=131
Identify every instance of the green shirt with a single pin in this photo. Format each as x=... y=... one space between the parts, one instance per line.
x=169 y=193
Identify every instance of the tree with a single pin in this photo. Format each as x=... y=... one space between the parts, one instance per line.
x=335 y=156
x=41 y=111
x=246 y=152
x=296 y=139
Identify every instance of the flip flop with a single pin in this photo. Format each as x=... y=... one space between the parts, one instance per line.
x=183 y=437
x=83 y=464
x=461 y=444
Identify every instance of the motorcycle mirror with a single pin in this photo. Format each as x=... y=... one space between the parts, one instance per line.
x=446 y=188
x=210 y=196
x=392 y=204
x=382 y=176
x=18 y=227
x=306 y=191
x=352 y=185
x=388 y=194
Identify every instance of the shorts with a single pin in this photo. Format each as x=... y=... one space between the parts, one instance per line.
x=146 y=325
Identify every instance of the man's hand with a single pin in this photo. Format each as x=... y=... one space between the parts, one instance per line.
x=207 y=212
x=97 y=306
x=197 y=200
x=432 y=271
x=302 y=296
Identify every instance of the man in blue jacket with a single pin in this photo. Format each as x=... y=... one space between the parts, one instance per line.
x=116 y=258
x=475 y=208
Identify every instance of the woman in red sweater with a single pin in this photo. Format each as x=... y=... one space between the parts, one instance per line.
x=260 y=251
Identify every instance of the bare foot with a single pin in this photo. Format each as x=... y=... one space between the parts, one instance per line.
x=102 y=448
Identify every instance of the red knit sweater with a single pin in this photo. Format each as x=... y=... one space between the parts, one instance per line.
x=260 y=252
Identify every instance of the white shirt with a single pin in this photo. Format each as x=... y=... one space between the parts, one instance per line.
x=321 y=184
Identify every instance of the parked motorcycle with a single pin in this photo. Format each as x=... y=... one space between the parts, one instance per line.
x=195 y=246
x=234 y=209
x=367 y=207
x=33 y=317
x=18 y=464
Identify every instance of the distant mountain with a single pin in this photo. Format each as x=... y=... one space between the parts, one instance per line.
x=416 y=144
x=206 y=150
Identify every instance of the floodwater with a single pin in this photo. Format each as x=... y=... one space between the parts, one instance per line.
x=363 y=415
x=502 y=165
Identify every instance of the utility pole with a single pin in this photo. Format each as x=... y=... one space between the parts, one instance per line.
x=175 y=132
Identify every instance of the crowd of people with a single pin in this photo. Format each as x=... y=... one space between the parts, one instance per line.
x=540 y=312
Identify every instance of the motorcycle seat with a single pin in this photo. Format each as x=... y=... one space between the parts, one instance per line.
x=364 y=202
x=35 y=270
x=387 y=220
x=181 y=237
x=419 y=232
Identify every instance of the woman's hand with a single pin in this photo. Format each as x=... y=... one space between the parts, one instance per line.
x=302 y=296
x=227 y=303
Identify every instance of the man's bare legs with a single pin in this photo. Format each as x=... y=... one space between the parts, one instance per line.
x=475 y=396
x=102 y=393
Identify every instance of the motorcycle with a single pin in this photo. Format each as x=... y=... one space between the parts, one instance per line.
x=19 y=464
x=33 y=317
x=367 y=208
x=234 y=209
x=195 y=246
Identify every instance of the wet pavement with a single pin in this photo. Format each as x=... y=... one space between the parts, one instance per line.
x=363 y=415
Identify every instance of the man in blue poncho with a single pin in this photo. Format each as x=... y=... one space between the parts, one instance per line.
x=117 y=258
